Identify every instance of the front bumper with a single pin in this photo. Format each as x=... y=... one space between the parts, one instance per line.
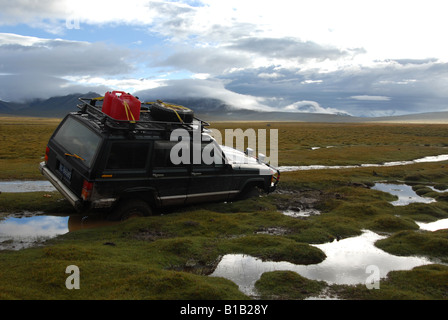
x=275 y=178
x=66 y=192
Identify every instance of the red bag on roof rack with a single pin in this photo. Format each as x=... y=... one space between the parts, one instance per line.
x=121 y=106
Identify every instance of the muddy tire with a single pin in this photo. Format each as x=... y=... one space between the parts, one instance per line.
x=249 y=192
x=130 y=208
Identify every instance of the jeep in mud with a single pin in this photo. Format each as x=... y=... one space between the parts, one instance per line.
x=136 y=166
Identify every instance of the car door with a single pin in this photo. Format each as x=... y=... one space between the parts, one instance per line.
x=124 y=167
x=170 y=180
x=211 y=178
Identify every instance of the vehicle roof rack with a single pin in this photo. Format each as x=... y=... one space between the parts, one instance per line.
x=146 y=122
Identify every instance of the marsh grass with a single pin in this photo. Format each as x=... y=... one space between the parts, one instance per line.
x=348 y=144
x=45 y=202
x=287 y=285
x=168 y=255
x=427 y=282
x=22 y=145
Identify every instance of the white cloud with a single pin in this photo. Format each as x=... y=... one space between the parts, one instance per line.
x=124 y=84
x=273 y=75
x=370 y=98
x=311 y=81
x=211 y=89
x=16 y=39
x=201 y=76
x=312 y=107
x=58 y=57
x=20 y=88
x=204 y=60
x=51 y=15
x=32 y=67
x=312 y=56
x=376 y=26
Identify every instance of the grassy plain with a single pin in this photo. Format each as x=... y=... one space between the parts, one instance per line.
x=169 y=256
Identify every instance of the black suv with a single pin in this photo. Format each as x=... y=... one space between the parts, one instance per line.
x=96 y=161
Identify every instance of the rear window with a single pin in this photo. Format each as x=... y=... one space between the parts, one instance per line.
x=78 y=140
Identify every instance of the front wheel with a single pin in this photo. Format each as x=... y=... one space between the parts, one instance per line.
x=130 y=208
x=249 y=192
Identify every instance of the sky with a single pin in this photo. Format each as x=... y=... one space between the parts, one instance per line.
x=362 y=58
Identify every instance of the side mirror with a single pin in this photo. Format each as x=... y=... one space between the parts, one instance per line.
x=261 y=157
x=249 y=152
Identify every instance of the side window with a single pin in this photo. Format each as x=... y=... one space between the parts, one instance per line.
x=161 y=154
x=210 y=153
x=127 y=156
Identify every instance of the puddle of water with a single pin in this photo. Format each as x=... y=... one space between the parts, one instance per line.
x=26 y=186
x=19 y=233
x=434 y=226
x=31 y=229
x=437 y=190
x=346 y=263
x=404 y=193
x=305 y=213
x=275 y=231
x=443 y=157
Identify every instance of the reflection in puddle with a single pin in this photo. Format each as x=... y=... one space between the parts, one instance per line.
x=20 y=232
x=434 y=226
x=442 y=157
x=26 y=186
x=404 y=193
x=346 y=263
x=78 y=222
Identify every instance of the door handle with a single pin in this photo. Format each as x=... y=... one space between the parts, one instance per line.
x=196 y=173
x=158 y=175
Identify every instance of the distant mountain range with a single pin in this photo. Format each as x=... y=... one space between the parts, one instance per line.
x=54 y=107
x=208 y=110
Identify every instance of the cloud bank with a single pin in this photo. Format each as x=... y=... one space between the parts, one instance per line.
x=290 y=57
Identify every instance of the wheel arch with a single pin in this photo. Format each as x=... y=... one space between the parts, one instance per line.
x=148 y=195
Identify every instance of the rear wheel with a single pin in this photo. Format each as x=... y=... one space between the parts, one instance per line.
x=130 y=208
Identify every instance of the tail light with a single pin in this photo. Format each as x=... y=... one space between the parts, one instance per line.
x=86 y=190
x=47 y=152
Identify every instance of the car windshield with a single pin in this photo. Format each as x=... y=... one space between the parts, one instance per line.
x=78 y=140
x=236 y=156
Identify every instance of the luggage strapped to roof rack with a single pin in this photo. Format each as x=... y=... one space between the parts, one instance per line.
x=146 y=123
